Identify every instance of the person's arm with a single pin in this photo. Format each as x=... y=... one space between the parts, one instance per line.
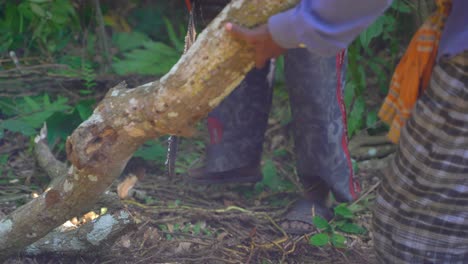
x=324 y=26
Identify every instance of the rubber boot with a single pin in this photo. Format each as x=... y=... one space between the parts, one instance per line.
x=237 y=127
x=316 y=96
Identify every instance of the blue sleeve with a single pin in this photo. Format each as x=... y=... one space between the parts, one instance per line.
x=324 y=26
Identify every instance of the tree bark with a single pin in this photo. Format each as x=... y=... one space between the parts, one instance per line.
x=101 y=146
x=87 y=239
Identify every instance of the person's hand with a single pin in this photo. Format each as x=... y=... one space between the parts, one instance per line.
x=260 y=38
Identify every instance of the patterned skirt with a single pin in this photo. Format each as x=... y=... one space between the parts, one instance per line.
x=421 y=210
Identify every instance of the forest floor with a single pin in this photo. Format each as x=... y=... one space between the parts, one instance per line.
x=182 y=223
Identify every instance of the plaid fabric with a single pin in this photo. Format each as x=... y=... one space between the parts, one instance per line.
x=421 y=211
x=414 y=71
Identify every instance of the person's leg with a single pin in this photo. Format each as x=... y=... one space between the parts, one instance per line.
x=421 y=210
x=316 y=93
x=237 y=128
x=323 y=163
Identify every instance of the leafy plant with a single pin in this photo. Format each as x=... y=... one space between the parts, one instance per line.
x=365 y=57
x=42 y=24
x=343 y=222
x=153 y=151
x=271 y=179
x=27 y=114
x=143 y=56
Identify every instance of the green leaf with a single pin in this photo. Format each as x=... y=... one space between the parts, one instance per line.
x=152 y=150
x=280 y=152
x=46 y=100
x=362 y=85
x=338 y=241
x=271 y=178
x=356 y=116
x=320 y=222
x=37 y=9
x=356 y=208
x=319 y=240
x=85 y=109
x=401 y=7
x=355 y=166
x=3 y=159
x=371 y=118
x=17 y=126
x=341 y=222
x=32 y=104
x=352 y=228
x=126 y=41
x=186 y=228
x=176 y=42
x=197 y=228
x=374 y=30
x=39 y=1
x=60 y=125
x=155 y=58
x=349 y=94
x=343 y=211
x=85 y=92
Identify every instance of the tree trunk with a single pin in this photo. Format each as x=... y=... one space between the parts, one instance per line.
x=101 y=146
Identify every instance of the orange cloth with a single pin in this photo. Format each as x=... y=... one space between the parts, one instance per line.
x=414 y=70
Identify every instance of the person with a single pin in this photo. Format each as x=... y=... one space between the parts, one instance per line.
x=421 y=210
x=315 y=82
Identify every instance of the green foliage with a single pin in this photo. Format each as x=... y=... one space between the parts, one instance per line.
x=152 y=150
x=127 y=41
x=3 y=164
x=79 y=67
x=343 y=222
x=367 y=58
x=61 y=124
x=25 y=115
x=199 y=228
x=271 y=179
x=44 y=28
x=319 y=240
x=143 y=56
x=28 y=114
x=42 y=24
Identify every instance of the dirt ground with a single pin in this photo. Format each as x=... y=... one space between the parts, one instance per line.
x=180 y=223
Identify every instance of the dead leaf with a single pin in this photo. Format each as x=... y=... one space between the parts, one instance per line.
x=151 y=234
x=75 y=221
x=88 y=217
x=228 y=202
x=125 y=241
x=183 y=247
x=276 y=141
x=170 y=227
x=124 y=187
x=221 y=236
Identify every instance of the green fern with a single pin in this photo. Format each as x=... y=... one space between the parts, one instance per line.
x=31 y=113
x=143 y=56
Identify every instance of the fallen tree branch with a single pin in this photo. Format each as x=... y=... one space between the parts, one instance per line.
x=45 y=159
x=87 y=239
x=101 y=146
x=366 y=147
x=57 y=169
